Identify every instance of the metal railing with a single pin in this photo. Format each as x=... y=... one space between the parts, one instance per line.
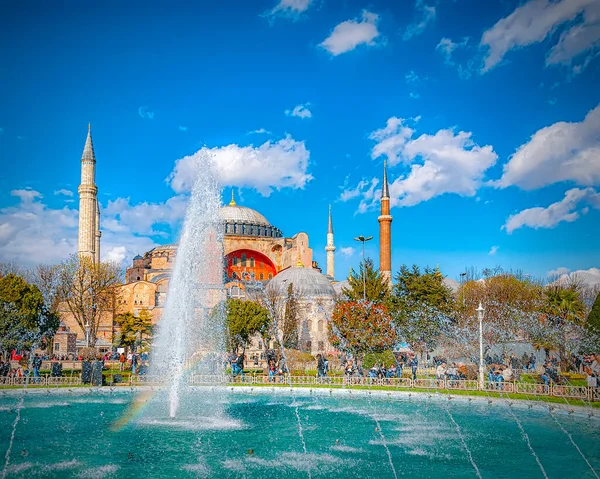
x=581 y=393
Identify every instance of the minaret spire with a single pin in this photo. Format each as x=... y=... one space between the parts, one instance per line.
x=330 y=248
x=385 y=192
x=385 y=231
x=232 y=202
x=89 y=212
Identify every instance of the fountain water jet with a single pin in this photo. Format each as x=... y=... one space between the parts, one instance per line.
x=191 y=329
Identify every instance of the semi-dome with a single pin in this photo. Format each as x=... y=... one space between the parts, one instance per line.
x=308 y=282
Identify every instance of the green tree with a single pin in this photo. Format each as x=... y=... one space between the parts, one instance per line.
x=593 y=320
x=366 y=279
x=592 y=328
x=25 y=321
x=360 y=327
x=421 y=305
x=244 y=319
x=414 y=287
x=135 y=330
x=564 y=308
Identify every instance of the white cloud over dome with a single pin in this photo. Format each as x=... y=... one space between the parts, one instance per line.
x=274 y=165
x=559 y=152
x=348 y=35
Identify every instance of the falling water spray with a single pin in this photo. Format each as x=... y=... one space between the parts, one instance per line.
x=191 y=329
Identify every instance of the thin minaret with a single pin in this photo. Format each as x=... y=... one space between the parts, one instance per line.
x=385 y=231
x=330 y=248
x=89 y=213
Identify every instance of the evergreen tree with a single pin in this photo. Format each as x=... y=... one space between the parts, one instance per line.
x=244 y=319
x=422 y=306
x=593 y=319
x=592 y=328
x=289 y=330
x=366 y=279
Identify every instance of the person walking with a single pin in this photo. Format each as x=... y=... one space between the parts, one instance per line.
x=320 y=366
x=134 y=363
x=414 y=364
x=36 y=364
x=122 y=359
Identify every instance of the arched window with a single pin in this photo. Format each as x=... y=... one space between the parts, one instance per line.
x=234 y=261
x=270 y=275
x=138 y=278
x=252 y=262
x=244 y=259
x=320 y=325
x=261 y=276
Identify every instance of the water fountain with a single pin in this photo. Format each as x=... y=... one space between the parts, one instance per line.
x=191 y=329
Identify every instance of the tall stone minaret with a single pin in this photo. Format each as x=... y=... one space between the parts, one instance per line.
x=89 y=213
x=330 y=248
x=385 y=231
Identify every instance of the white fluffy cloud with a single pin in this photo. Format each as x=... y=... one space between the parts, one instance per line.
x=31 y=232
x=272 y=165
x=559 y=271
x=120 y=216
x=144 y=113
x=426 y=14
x=446 y=162
x=350 y=34
x=535 y=20
x=569 y=209
x=301 y=111
x=63 y=192
x=589 y=277
x=347 y=251
x=560 y=152
x=447 y=47
x=289 y=8
x=26 y=195
x=493 y=250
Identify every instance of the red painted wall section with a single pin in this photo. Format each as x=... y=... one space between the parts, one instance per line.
x=243 y=262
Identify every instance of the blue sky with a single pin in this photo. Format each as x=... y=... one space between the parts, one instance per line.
x=487 y=113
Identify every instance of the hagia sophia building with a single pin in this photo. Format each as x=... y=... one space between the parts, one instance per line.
x=255 y=253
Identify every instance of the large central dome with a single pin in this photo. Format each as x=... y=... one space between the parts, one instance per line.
x=242 y=215
x=243 y=221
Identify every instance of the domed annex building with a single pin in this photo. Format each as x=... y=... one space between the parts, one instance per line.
x=257 y=256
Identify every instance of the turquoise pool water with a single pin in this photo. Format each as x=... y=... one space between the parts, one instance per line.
x=77 y=434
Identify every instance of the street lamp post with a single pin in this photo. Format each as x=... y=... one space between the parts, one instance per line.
x=363 y=240
x=480 y=311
